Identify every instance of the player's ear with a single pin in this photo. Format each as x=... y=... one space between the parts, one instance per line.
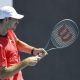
x=5 y=20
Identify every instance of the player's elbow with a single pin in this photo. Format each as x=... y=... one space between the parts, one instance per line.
x=3 y=74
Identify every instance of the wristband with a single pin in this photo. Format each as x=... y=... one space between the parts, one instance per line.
x=32 y=51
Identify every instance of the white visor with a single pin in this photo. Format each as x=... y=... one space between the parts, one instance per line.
x=8 y=11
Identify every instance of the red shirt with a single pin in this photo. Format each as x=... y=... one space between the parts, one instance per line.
x=9 y=54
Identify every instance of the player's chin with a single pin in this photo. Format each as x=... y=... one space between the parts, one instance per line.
x=12 y=29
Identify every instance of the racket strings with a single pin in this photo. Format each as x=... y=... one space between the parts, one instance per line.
x=64 y=34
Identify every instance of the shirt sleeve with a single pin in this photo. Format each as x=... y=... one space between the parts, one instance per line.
x=3 y=61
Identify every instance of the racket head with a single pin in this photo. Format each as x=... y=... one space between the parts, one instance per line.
x=64 y=33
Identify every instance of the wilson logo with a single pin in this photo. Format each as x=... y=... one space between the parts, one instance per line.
x=64 y=33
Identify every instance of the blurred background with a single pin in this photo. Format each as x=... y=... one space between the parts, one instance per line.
x=35 y=28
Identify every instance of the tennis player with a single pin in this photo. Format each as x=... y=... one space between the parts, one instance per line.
x=10 y=64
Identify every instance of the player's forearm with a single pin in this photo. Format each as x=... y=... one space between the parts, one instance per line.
x=22 y=46
x=9 y=71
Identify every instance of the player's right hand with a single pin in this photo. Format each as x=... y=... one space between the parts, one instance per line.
x=32 y=61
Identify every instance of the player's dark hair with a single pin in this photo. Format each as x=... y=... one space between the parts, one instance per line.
x=1 y=20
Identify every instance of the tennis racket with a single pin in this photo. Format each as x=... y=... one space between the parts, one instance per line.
x=64 y=34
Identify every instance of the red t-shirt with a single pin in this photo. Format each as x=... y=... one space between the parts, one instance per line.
x=9 y=54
